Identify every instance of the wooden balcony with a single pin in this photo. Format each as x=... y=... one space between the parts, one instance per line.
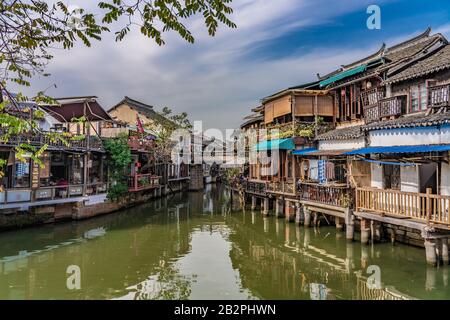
x=142 y=145
x=425 y=207
x=305 y=129
x=385 y=108
x=140 y=182
x=256 y=187
x=339 y=196
x=41 y=139
x=371 y=97
x=439 y=96
x=282 y=187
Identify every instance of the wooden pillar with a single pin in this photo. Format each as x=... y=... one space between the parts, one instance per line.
x=445 y=254
x=365 y=231
x=298 y=214
x=279 y=208
x=307 y=217
x=254 y=201
x=339 y=224
x=289 y=211
x=430 y=252
x=349 y=225
x=265 y=206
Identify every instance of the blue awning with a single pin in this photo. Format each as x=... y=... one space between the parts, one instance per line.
x=400 y=149
x=343 y=75
x=392 y=163
x=284 y=144
x=304 y=151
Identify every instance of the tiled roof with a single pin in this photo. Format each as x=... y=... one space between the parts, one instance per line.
x=342 y=133
x=255 y=117
x=405 y=51
x=393 y=55
x=145 y=109
x=437 y=61
x=416 y=120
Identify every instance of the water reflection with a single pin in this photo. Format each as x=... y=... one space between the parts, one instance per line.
x=191 y=246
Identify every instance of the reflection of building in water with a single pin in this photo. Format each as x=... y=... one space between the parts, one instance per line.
x=318 y=291
x=365 y=292
x=298 y=265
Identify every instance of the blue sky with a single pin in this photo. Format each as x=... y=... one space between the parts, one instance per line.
x=278 y=43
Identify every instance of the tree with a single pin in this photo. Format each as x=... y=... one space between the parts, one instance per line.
x=30 y=29
x=164 y=125
x=119 y=160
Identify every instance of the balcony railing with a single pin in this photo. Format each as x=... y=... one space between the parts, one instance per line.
x=41 y=139
x=140 y=182
x=439 y=96
x=304 y=129
x=387 y=107
x=371 y=97
x=331 y=195
x=426 y=207
x=285 y=187
x=141 y=144
x=256 y=187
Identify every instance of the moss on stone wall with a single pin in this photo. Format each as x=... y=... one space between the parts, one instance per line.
x=23 y=219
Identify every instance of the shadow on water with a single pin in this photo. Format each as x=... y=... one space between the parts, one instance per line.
x=190 y=245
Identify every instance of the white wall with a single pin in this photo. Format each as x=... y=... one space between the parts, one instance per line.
x=409 y=136
x=377 y=175
x=445 y=179
x=348 y=144
x=409 y=177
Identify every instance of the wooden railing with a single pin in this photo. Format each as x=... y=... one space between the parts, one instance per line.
x=281 y=187
x=141 y=144
x=256 y=187
x=40 y=139
x=371 y=97
x=426 y=207
x=394 y=106
x=139 y=182
x=439 y=96
x=332 y=195
x=388 y=107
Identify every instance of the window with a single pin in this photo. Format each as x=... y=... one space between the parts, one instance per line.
x=418 y=97
x=22 y=174
x=391 y=177
x=414 y=94
x=289 y=173
x=423 y=96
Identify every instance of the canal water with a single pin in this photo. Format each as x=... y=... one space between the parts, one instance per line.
x=191 y=246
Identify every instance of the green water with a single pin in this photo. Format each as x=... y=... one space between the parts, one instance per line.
x=192 y=247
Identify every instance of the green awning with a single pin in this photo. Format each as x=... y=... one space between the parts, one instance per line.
x=284 y=144
x=343 y=75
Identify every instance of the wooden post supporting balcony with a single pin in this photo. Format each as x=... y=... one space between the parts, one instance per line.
x=429 y=191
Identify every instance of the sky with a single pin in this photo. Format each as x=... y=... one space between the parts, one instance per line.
x=277 y=44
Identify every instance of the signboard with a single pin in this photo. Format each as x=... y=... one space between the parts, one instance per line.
x=35 y=176
x=43 y=193
x=76 y=190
